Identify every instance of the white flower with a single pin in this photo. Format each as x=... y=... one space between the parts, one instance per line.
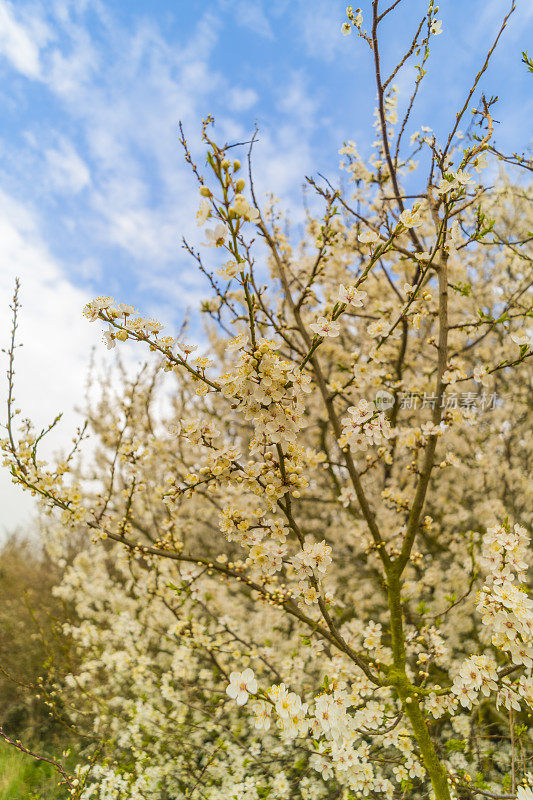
x=346 y=28
x=368 y=237
x=410 y=219
x=109 y=338
x=152 y=326
x=436 y=27
x=455 y=235
x=92 y=309
x=125 y=309
x=362 y=412
x=464 y=178
x=378 y=429
x=372 y=635
x=203 y=212
x=481 y=374
x=253 y=214
x=446 y=186
x=216 y=236
x=508 y=698
x=242 y=208
x=288 y=704
x=237 y=342
x=523 y=337
x=263 y=714
x=326 y=327
x=242 y=684
x=351 y=296
x=524 y=793
x=377 y=327
x=228 y=270
x=187 y=348
x=480 y=163
x=240 y=205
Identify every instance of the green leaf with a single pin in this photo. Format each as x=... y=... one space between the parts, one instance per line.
x=527 y=60
x=455 y=746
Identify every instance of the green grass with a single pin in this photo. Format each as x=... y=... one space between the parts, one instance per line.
x=24 y=778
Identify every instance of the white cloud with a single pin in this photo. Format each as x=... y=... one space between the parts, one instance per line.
x=253 y=17
x=242 y=99
x=68 y=172
x=491 y=14
x=320 y=29
x=297 y=102
x=17 y=43
x=250 y=14
x=126 y=103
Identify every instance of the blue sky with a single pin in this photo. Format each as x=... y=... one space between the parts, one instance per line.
x=94 y=193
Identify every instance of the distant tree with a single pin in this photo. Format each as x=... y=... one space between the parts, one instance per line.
x=32 y=648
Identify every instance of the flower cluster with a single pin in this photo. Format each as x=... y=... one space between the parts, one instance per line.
x=477 y=673
x=364 y=426
x=313 y=559
x=292 y=714
x=504 y=552
x=505 y=606
x=454 y=182
x=269 y=390
x=122 y=324
x=507 y=611
x=311 y=562
x=410 y=218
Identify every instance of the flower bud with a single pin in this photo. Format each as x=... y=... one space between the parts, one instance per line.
x=225 y=164
x=205 y=191
x=236 y=165
x=241 y=183
x=121 y=335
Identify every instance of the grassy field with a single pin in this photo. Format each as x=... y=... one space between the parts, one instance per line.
x=23 y=778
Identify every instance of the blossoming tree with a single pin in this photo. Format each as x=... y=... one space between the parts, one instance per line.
x=307 y=577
